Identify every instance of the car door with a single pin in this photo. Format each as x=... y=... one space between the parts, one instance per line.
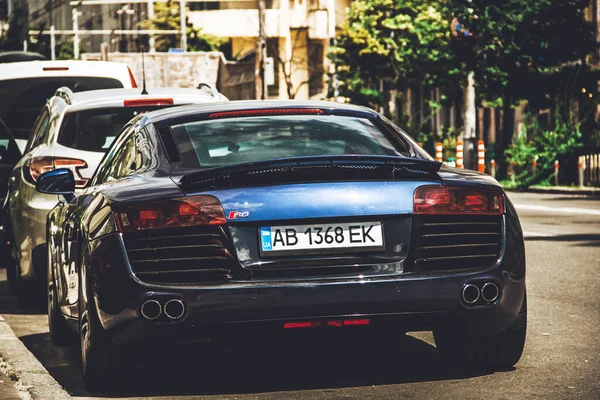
x=9 y=156
x=110 y=169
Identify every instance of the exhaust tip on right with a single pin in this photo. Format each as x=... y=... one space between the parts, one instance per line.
x=151 y=310
x=470 y=294
x=174 y=309
x=490 y=292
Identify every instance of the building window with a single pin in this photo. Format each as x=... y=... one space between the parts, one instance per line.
x=316 y=54
x=204 y=6
x=273 y=51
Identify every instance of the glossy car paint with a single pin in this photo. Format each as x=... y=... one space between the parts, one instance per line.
x=88 y=258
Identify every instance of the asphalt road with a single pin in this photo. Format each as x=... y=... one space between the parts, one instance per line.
x=561 y=358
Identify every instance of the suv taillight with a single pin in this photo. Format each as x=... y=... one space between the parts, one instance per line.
x=172 y=213
x=39 y=165
x=457 y=200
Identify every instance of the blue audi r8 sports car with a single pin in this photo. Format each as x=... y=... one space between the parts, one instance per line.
x=253 y=220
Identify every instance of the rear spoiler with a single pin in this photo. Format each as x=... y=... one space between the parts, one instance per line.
x=312 y=169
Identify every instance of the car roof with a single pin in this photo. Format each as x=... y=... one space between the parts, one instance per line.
x=72 y=68
x=191 y=111
x=106 y=98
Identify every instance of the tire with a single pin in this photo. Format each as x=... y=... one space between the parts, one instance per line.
x=99 y=357
x=476 y=350
x=60 y=331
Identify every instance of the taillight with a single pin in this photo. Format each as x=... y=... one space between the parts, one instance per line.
x=263 y=112
x=147 y=102
x=457 y=200
x=172 y=213
x=39 y=165
x=131 y=78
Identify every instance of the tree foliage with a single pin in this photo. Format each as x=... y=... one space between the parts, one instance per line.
x=167 y=17
x=404 y=42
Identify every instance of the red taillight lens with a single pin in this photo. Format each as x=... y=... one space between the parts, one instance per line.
x=147 y=102
x=457 y=200
x=263 y=112
x=131 y=78
x=39 y=165
x=173 y=213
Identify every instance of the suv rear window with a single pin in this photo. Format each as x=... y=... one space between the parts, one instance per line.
x=94 y=130
x=230 y=141
x=22 y=99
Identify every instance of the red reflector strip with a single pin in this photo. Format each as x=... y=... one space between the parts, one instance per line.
x=55 y=68
x=335 y=323
x=365 y=321
x=147 y=102
x=295 y=325
x=258 y=113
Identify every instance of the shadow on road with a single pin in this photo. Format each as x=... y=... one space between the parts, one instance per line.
x=202 y=371
x=590 y=239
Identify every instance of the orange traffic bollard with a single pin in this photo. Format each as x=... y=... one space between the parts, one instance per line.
x=556 y=168
x=438 y=151
x=480 y=156
x=459 y=155
x=493 y=168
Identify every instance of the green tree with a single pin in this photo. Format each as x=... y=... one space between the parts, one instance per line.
x=167 y=17
x=405 y=43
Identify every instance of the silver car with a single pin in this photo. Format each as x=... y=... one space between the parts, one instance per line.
x=73 y=131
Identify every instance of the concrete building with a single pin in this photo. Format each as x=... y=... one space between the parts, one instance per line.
x=298 y=37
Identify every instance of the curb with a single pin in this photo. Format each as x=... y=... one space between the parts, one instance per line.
x=589 y=191
x=34 y=380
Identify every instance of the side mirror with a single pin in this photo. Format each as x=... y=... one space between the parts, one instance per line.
x=57 y=181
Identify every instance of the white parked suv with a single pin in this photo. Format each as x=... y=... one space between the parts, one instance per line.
x=73 y=131
x=26 y=86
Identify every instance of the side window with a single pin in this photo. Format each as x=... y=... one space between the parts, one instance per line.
x=41 y=125
x=125 y=159
x=105 y=169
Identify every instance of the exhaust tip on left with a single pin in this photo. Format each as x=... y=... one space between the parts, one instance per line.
x=151 y=310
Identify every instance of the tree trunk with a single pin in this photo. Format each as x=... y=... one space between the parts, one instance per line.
x=506 y=135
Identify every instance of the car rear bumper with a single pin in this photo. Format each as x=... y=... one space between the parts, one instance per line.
x=404 y=302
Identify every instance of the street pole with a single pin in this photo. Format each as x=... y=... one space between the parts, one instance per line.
x=151 y=41
x=183 y=25
x=52 y=42
x=470 y=120
x=261 y=53
x=75 y=33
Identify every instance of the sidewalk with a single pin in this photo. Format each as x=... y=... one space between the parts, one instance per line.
x=8 y=391
x=32 y=380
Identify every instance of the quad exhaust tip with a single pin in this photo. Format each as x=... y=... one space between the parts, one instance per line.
x=174 y=309
x=490 y=292
x=470 y=293
x=151 y=310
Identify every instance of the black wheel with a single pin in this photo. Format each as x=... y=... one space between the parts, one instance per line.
x=60 y=331
x=99 y=358
x=476 y=350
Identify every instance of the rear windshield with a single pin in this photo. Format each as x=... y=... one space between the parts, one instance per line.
x=95 y=130
x=230 y=141
x=22 y=99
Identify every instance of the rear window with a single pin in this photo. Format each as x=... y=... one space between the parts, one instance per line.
x=22 y=99
x=95 y=130
x=230 y=141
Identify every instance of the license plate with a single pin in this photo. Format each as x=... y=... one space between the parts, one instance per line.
x=321 y=237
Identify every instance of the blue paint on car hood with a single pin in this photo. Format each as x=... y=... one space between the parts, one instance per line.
x=318 y=200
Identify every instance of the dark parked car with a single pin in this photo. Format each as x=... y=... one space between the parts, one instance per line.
x=284 y=218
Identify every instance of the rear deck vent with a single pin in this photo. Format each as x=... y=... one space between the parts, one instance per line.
x=170 y=145
x=456 y=242
x=182 y=255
